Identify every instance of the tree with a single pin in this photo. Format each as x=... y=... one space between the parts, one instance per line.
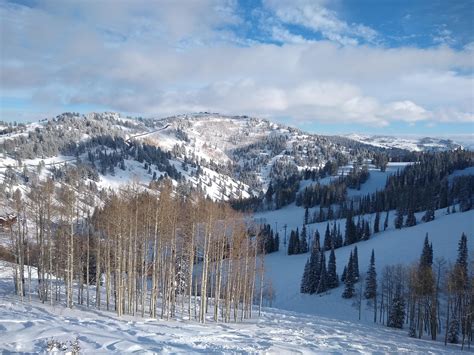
x=429 y=214
x=385 y=223
x=333 y=279
x=371 y=280
x=315 y=268
x=328 y=243
x=355 y=261
x=304 y=288
x=396 y=316
x=377 y=222
x=323 y=277
x=399 y=219
x=306 y=215
x=303 y=243
x=411 y=219
x=349 y=279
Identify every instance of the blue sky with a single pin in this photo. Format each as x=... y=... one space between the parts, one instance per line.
x=385 y=67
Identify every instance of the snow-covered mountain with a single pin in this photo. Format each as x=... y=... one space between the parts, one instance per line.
x=416 y=144
x=226 y=156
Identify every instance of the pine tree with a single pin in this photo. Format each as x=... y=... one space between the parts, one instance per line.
x=371 y=281
x=315 y=269
x=349 y=279
x=426 y=259
x=328 y=239
x=396 y=316
x=385 y=223
x=453 y=331
x=351 y=232
x=276 y=242
x=366 y=234
x=355 y=261
x=339 y=240
x=292 y=245
x=297 y=242
x=399 y=219
x=304 y=288
x=306 y=215
x=344 y=274
x=377 y=223
x=411 y=219
x=323 y=281
x=429 y=214
x=303 y=243
x=333 y=280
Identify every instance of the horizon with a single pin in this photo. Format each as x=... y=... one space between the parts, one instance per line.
x=325 y=67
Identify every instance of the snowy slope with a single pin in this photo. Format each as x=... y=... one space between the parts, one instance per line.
x=28 y=327
x=391 y=247
x=407 y=143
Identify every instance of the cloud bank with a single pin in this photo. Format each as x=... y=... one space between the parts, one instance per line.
x=172 y=57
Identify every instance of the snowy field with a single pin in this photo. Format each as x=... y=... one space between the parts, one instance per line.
x=28 y=327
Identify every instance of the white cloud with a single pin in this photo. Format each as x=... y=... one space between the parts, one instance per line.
x=315 y=16
x=166 y=59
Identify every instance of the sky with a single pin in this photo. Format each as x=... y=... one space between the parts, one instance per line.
x=366 y=66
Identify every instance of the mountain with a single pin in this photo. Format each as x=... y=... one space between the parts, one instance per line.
x=123 y=200
x=421 y=144
x=226 y=156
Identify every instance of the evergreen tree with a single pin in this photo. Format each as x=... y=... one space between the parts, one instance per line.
x=317 y=239
x=323 y=281
x=315 y=269
x=339 y=241
x=453 y=331
x=396 y=316
x=333 y=279
x=429 y=214
x=351 y=232
x=292 y=243
x=306 y=215
x=349 y=279
x=304 y=288
x=328 y=239
x=399 y=219
x=303 y=244
x=269 y=193
x=385 y=223
x=377 y=222
x=297 y=241
x=371 y=281
x=344 y=274
x=366 y=234
x=411 y=219
x=426 y=259
x=355 y=261
x=276 y=242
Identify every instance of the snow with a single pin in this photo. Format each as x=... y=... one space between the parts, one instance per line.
x=392 y=247
x=463 y=172
x=27 y=327
x=408 y=143
x=376 y=180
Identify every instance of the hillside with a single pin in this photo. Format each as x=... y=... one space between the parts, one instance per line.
x=412 y=144
x=165 y=206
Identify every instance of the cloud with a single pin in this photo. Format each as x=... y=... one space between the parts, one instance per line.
x=172 y=58
x=316 y=16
